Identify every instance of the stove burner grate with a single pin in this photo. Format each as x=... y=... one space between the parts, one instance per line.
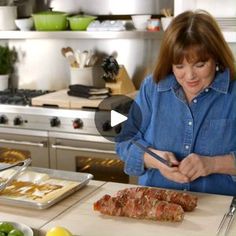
x=20 y=96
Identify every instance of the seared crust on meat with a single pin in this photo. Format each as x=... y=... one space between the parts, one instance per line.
x=186 y=200
x=140 y=208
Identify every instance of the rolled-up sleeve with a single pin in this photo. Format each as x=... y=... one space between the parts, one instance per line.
x=134 y=129
x=234 y=156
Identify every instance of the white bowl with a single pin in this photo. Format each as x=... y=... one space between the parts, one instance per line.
x=24 y=24
x=140 y=21
x=26 y=230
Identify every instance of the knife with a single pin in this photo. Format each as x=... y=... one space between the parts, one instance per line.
x=153 y=154
x=230 y=214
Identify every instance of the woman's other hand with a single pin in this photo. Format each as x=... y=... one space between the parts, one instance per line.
x=171 y=173
x=194 y=166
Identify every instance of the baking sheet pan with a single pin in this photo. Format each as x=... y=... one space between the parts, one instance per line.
x=82 y=179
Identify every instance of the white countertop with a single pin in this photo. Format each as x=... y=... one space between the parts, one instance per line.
x=77 y=215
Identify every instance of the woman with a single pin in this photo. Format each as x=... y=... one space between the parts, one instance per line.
x=188 y=112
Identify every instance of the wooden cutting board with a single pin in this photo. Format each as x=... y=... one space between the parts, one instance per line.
x=83 y=220
x=63 y=100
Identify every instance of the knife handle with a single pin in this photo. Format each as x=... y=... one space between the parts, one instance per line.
x=233 y=203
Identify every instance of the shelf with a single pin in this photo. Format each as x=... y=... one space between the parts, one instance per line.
x=229 y=36
x=80 y=35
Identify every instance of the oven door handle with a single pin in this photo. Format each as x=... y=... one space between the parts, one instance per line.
x=82 y=149
x=40 y=144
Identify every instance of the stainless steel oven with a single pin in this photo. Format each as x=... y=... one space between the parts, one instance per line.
x=62 y=139
x=19 y=144
x=87 y=153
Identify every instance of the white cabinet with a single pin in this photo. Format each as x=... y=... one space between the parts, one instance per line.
x=217 y=8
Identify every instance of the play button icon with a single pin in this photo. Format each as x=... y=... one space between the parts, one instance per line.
x=117 y=118
x=113 y=115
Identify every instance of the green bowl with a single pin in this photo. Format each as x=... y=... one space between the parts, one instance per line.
x=50 y=21
x=80 y=22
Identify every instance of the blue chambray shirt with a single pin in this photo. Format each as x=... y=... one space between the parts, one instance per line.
x=206 y=126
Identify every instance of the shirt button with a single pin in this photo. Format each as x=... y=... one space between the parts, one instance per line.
x=187 y=147
x=195 y=100
x=190 y=123
x=206 y=90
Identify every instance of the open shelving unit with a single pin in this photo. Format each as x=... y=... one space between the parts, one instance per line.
x=132 y=34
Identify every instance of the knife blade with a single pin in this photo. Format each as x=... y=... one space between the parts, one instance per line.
x=231 y=214
x=228 y=216
x=153 y=154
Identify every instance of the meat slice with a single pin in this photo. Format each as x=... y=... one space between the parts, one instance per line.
x=140 y=208
x=186 y=200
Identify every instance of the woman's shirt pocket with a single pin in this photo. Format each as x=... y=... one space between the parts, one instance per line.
x=218 y=137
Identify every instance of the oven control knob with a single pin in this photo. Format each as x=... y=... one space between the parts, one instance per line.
x=106 y=126
x=3 y=119
x=77 y=123
x=18 y=121
x=55 y=122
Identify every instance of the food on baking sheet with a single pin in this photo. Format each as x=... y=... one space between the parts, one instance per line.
x=140 y=208
x=186 y=200
x=34 y=186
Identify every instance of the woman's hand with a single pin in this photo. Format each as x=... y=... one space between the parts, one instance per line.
x=194 y=166
x=171 y=173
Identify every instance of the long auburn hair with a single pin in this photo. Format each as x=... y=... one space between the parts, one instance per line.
x=196 y=36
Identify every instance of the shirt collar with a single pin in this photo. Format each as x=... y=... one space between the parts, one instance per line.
x=220 y=83
x=167 y=83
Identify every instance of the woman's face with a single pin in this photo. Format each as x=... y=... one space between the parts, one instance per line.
x=194 y=77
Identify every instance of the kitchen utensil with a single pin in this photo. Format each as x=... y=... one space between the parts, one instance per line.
x=80 y=22
x=83 y=57
x=153 y=154
x=92 y=60
x=111 y=68
x=71 y=56
x=50 y=21
x=22 y=166
x=21 y=163
x=229 y=215
x=77 y=56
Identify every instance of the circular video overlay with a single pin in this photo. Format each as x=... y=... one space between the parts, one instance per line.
x=118 y=118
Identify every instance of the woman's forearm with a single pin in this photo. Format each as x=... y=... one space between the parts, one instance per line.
x=224 y=164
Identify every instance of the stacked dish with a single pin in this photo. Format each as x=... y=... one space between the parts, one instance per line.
x=80 y=22
x=56 y=20
x=50 y=21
